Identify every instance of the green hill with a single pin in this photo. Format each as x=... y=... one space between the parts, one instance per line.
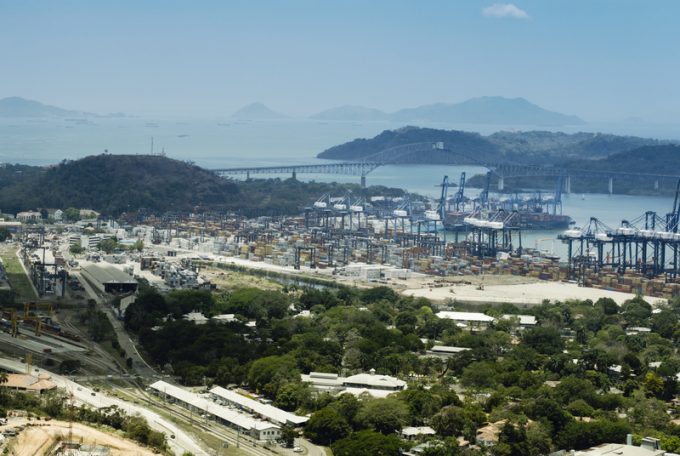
x=112 y=184
x=527 y=147
x=472 y=144
x=116 y=183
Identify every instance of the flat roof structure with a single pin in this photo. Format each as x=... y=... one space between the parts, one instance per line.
x=374 y=385
x=524 y=320
x=472 y=317
x=236 y=418
x=618 y=449
x=266 y=411
x=108 y=278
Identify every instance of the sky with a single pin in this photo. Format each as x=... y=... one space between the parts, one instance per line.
x=602 y=60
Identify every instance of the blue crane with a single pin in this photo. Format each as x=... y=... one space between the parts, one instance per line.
x=673 y=217
x=484 y=194
x=441 y=207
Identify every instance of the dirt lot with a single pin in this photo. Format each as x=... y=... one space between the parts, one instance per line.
x=38 y=437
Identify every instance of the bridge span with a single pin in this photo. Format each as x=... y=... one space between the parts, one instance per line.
x=436 y=153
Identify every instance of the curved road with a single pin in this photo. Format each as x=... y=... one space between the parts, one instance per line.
x=182 y=442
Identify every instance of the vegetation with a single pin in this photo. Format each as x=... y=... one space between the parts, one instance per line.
x=577 y=379
x=16 y=276
x=116 y=184
x=54 y=404
x=532 y=147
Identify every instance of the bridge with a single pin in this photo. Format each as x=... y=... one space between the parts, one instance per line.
x=436 y=153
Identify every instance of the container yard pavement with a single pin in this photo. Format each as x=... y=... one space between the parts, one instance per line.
x=526 y=293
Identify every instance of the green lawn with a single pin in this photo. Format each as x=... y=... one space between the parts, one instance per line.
x=16 y=276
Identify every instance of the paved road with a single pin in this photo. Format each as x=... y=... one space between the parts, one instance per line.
x=138 y=363
x=181 y=443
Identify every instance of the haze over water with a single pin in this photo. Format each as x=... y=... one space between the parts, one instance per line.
x=237 y=143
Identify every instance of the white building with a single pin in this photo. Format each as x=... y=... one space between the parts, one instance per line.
x=259 y=429
x=525 y=321
x=414 y=432
x=472 y=320
x=374 y=385
x=445 y=351
x=28 y=216
x=266 y=411
x=649 y=447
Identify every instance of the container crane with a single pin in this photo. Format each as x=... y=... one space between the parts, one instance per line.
x=441 y=207
x=673 y=217
x=484 y=194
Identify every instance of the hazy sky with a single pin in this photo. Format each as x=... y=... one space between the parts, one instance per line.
x=600 y=60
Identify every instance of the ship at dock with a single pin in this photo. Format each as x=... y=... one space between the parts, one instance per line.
x=532 y=210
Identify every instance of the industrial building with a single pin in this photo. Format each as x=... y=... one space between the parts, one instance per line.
x=109 y=279
x=472 y=320
x=374 y=385
x=266 y=411
x=258 y=429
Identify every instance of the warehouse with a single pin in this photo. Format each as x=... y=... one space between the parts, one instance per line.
x=268 y=412
x=109 y=279
x=258 y=429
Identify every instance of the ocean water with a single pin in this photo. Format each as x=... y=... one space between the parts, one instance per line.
x=215 y=143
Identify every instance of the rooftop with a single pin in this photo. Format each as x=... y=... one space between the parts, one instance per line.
x=268 y=411
x=465 y=316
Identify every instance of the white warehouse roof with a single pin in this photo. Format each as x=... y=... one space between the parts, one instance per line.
x=268 y=411
x=239 y=419
x=465 y=316
x=524 y=320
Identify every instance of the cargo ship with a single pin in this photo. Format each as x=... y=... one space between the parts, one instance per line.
x=525 y=220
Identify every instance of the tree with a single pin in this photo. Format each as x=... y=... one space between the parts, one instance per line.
x=367 y=443
x=446 y=447
x=138 y=245
x=545 y=340
x=383 y=415
x=479 y=375
x=5 y=234
x=325 y=426
x=636 y=311
x=288 y=435
x=578 y=435
x=608 y=306
x=108 y=245
x=268 y=374
x=72 y=214
x=76 y=249
x=449 y=422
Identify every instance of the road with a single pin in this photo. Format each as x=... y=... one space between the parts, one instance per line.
x=139 y=365
x=182 y=442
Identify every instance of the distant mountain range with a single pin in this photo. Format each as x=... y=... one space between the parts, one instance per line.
x=22 y=107
x=531 y=147
x=257 y=111
x=483 y=110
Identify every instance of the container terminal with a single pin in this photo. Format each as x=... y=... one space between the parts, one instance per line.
x=381 y=239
